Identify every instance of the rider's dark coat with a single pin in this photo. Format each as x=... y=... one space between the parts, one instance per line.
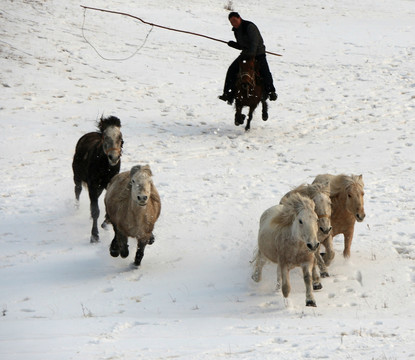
x=249 y=39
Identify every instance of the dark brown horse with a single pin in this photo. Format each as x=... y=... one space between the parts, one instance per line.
x=97 y=159
x=249 y=92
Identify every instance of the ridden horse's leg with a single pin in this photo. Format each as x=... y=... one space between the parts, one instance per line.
x=250 y=114
x=94 y=193
x=239 y=117
x=141 y=244
x=260 y=261
x=264 y=110
x=309 y=298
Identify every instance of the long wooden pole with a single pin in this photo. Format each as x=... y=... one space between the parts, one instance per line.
x=163 y=27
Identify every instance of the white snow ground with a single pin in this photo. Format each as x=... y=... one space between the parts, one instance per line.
x=346 y=105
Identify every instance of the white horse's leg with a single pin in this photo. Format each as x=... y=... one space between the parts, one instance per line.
x=285 y=280
x=260 y=261
x=316 y=278
x=279 y=281
x=321 y=265
x=309 y=298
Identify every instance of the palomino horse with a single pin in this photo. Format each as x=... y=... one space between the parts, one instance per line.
x=249 y=92
x=97 y=159
x=288 y=236
x=347 y=207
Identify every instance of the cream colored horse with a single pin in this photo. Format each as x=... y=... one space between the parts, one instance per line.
x=347 y=207
x=288 y=236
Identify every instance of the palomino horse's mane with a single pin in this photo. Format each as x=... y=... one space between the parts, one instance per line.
x=343 y=183
x=292 y=206
x=109 y=121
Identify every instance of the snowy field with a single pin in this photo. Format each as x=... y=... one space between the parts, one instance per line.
x=346 y=105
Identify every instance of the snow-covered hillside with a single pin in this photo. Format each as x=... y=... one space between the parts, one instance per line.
x=346 y=105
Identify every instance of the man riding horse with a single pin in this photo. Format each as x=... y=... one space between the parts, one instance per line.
x=249 y=40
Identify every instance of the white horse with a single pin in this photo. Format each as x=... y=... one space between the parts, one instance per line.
x=288 y=236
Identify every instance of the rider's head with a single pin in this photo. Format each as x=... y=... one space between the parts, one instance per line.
x=234 y=19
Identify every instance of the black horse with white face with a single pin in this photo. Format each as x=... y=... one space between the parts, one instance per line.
x=97 y=159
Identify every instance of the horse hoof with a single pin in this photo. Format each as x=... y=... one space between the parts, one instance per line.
x=137 y=260
x=94 y=239
x=114 y=252
x=317 y=286
x=324 y=274
x=114 y=249
x=124 y=253
x=310 y=303
x=256 y=277
x=265 y=117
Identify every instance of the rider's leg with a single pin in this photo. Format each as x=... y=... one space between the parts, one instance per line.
x=229 y=87
x=267 y=76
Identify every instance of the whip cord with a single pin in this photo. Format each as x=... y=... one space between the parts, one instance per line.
x=112 y=59
x=164 y=27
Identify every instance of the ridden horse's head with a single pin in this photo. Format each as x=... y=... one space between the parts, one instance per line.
x=247 y=73
x=112 y=141
x=141 y=184
x=354 y=197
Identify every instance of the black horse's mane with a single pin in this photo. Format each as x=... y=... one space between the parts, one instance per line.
x=109 y=121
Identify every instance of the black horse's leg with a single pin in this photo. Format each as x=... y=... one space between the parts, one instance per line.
x=264 y=110
x=94 y=194
x=77 y=178
x=141 y=244
x=78 y=188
